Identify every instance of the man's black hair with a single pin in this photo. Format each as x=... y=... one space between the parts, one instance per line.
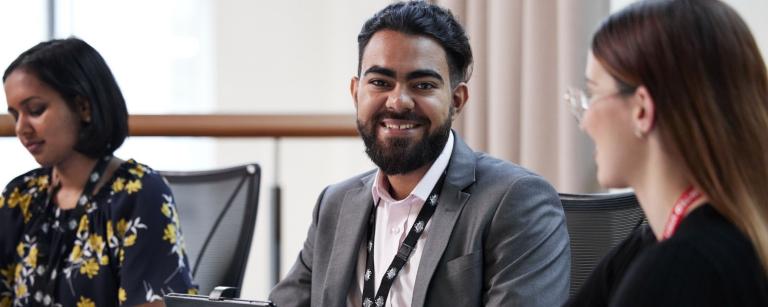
x=422 y=18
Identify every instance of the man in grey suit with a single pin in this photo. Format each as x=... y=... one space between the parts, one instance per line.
x=436 y=224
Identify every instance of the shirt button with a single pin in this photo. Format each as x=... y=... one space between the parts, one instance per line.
x=395 y=230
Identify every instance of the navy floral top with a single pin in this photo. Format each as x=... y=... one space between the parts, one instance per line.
x=125 y=248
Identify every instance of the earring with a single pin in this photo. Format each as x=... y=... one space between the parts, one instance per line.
x=638 y=133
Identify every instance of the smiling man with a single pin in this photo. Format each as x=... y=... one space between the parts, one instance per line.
x=436 y=224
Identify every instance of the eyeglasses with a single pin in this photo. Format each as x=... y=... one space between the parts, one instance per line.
x=579 y=101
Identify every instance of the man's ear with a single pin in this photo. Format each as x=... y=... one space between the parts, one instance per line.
x=459 y=97
x=643 y=111
x=353 y=89
x=83 y=109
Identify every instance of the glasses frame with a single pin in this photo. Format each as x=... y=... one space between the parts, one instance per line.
x=579 y=102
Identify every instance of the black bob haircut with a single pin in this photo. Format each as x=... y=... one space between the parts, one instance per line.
x=79 y=74
x=422 y=18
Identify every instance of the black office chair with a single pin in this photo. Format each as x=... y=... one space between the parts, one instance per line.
x=217 y=209
x=596 y=223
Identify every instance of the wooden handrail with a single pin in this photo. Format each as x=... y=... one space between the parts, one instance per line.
x=231 y=125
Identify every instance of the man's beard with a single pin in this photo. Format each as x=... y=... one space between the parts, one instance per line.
x=399 y=155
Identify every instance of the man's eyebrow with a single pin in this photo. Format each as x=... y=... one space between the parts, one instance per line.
x=422 y=73
x=380 y=70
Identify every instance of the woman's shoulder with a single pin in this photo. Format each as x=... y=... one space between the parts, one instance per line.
x=137 y=189
x=30 y=182
x=134 y=177
x=708 y=234
x=706 y=238
x=707 y=261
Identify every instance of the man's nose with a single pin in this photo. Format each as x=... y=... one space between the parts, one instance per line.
x=400 y=100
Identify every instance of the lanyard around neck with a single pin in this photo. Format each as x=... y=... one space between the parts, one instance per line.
x=403 y=253
x=683 y=203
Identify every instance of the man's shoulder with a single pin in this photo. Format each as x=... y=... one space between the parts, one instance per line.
x=493 y=169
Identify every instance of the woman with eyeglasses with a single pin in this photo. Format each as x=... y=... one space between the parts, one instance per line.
x=677 y=106
x=85 y=229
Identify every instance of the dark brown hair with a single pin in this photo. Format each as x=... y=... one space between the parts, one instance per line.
x=700 y=63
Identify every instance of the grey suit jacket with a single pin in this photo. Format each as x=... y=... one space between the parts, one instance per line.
x=498 y=238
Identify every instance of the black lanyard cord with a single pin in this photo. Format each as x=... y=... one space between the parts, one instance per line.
x=403 y=252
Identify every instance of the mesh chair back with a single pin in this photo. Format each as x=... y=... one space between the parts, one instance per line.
x=217 y=211
x=596 y=223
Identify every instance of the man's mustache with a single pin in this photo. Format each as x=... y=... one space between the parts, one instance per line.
x=409 y=116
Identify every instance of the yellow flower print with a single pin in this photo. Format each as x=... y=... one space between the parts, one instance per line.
x=118 y=185
x=169 y=234
x=121 y=296
x=96 y=243
x=7 y=273
x=191 y=291
x=166 y=209
x=85 y=302
x=21 y=290
x=130 y=240
x=41 y=182
x=104 y=260
x=32 y=257
x=5 y=302
x=17 y=274
x=2 y=204
x=24 y=205
x=90 y=267
x=122 y=256
x=83 y=224
x=138 y=171
x=76 y=253
x=20 y=249
x=133 y=186
x=14 y=198
x=110 y=231
x=122 y=227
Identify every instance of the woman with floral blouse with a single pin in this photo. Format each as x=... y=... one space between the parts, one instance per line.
x=86 y=229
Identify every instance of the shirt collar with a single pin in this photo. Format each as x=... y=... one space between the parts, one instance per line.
x=380 y=187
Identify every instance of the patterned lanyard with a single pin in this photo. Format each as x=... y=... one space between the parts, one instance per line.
x=49 y=222
x=403 y=253
x=689 y=196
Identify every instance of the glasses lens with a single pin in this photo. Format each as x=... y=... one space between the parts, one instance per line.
x=577 y=101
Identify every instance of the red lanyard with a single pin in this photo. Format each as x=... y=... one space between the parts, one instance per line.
x=689 y=196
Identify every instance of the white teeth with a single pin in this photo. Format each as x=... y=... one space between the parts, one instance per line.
x=400 y=127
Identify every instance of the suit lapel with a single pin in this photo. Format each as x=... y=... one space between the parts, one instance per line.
x=350 y=230
x=461 y=173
